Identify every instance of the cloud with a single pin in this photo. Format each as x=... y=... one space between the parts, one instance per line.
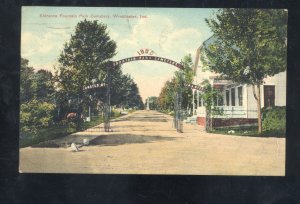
x=160 y=34
x=184 y=40
x=113 y=35
x=146 y=33
x=43 y=50
x=46 y=66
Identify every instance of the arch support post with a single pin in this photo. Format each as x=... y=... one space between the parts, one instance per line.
x=178 y=113
x=107 y=108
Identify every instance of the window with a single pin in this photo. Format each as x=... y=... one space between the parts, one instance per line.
x=240 y=95
x=215 y=101
x=233 y=96
x=220 y=101
x=269 y=96
x=227 y=97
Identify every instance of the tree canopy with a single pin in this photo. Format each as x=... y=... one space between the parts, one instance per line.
x=84 y=61
x=166 y=96
x=85 y=56
x=44 y=85
x=26 y=81
x=124 y=91
x=248 y=44
x=37 y=85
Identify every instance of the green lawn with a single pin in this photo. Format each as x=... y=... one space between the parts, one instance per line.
x=248 y=131
x=61 y=131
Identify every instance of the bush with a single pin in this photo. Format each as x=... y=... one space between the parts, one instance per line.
x=35 y=115
x=274 y=119
x=171 y=113
x=115 y=113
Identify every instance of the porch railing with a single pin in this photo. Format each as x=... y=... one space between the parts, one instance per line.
x=227 y=112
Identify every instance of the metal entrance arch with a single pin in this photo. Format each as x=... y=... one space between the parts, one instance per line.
x=178 y=115
x=153 y=58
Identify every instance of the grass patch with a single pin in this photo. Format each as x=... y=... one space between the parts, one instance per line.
x=131 y=111
x=54 y=132
x=95 y=120
x=116 y=114
x=168 y=112
x=46 y=134
x=247 y=131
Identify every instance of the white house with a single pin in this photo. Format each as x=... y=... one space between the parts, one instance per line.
x=238 y=104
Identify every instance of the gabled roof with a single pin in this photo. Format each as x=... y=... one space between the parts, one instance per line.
x=209 y=41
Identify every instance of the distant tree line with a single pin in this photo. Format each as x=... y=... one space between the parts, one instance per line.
x=165 y=100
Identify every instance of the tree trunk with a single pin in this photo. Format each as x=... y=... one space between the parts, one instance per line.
x=208 y=121
x=257 y=98
x=79 y=111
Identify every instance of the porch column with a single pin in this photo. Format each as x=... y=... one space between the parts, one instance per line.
x=198 y=95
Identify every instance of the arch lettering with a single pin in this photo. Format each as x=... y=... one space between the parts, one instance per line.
x=153 y=58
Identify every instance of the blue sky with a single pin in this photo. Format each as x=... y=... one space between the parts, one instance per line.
x=170 y=32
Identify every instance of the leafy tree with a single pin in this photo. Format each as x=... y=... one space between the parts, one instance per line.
x=188 y=68
x=121 y=88
x=248 y=45
x=124 y=91
x=35 y=85
x=26 y=81
x=187 y=77
x=209 y=96
x=43 y=85
x=134 y=98
x=166 y=96
x=84 y=58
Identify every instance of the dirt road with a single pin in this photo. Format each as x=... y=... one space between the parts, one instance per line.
x=145 y=142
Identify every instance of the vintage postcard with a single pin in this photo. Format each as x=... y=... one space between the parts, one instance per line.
x=169 y=91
